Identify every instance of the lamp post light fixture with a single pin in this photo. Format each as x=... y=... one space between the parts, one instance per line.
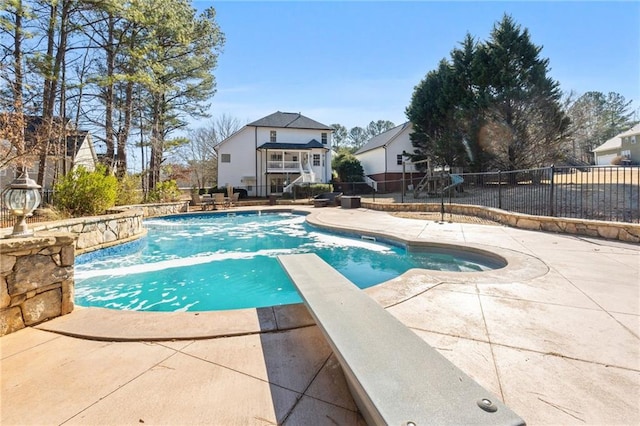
x=21 y=197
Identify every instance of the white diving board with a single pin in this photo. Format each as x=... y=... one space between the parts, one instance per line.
x=395 y=377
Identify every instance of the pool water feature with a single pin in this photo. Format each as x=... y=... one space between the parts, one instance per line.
x=228 y=261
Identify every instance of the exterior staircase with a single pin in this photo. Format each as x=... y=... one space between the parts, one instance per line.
x=307 y=175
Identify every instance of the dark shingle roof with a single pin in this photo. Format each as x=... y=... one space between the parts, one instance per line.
x=292 y=146
x=383 y=138
x=292 y=120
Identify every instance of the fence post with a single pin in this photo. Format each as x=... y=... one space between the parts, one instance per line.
x=551 y=193
x=500 y=189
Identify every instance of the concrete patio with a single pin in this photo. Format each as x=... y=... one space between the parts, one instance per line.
x=555 y=335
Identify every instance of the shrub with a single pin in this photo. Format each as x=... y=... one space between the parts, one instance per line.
x=164 y=192
x=348 y=167
x=85 y=193
x=128 y=190
x=309 y=191
x=617 y=160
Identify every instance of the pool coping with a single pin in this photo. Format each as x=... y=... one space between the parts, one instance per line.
x=113 y=325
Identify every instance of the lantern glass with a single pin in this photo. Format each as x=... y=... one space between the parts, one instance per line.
x=21 y=197
x=22 y=201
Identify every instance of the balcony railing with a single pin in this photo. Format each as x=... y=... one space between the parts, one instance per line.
x=291 y=166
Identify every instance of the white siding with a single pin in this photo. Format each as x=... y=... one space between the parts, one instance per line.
x=241 y=147
x=400 y=144
x=372 y=161
x=85 y=156
x=301 y=136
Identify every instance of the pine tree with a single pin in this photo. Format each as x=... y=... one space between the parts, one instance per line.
x=491 y=106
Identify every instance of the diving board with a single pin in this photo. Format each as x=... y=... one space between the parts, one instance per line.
x=395 y=377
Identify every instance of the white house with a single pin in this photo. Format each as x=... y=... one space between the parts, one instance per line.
x=270 y=155
x=382 y=157
x=624 y=147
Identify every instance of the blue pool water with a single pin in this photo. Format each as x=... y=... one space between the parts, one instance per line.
x=220 y=261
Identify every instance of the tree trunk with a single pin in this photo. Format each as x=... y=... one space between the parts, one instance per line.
x=123 y=134
x=108 y=93
x=18 y=102
x=156 y=143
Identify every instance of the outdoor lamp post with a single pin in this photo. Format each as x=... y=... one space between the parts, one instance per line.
x=21 y=197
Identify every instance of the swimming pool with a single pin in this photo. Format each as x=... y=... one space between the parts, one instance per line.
x=221 y=261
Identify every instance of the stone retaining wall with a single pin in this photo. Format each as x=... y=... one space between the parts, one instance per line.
x=36 y=279
x=627 y=232
x=120 y=224
x=158 y=209
x=95 y=232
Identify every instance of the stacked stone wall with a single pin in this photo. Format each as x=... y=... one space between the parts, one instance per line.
x=36 y=280
x=158 y=209
x=627 y=232
x=96 y=232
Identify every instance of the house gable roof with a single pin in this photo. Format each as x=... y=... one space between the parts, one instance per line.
x=293 y=146
x=292 y=120
x=613 y=143
x=384 y=138
x=616 y=141
x=632 y=131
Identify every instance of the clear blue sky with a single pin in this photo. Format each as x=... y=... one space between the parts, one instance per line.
x=351 y=62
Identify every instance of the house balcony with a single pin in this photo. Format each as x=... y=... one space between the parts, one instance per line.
x=283 y=166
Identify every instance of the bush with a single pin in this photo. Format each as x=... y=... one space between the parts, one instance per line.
x=310 y=191
x=348 y=167
x=128 y=190
x=164 y=192
x=85 y=193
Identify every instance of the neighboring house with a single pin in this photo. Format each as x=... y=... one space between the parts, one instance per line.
x=270 y=155
x=76 y=150
x=625 y=145
x=382 y=157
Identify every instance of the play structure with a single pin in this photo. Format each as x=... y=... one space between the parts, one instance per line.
x=437 y=181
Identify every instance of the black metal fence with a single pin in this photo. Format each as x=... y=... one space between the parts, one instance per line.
x=7 y=219
x=589 y=192
x=586 y=192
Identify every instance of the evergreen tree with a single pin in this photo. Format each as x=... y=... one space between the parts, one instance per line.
x=436 y=134
x=491 y=106
x=523 y=103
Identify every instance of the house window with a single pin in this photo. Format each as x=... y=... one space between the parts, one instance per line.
x=632 y=139
x=323 y=135
x=316 y=160
x=399 y=159
x=276 y=157
x=225 y=158
x=272 y=136
x=626 y=153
